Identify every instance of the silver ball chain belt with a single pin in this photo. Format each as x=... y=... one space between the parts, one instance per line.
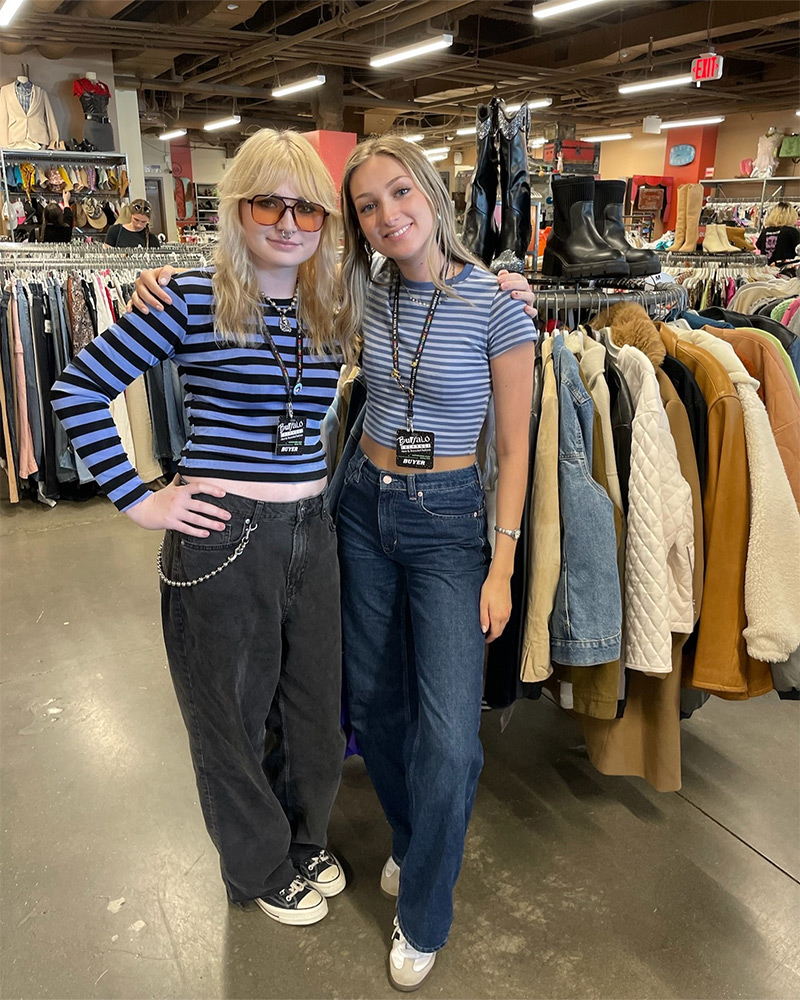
x=201 y=579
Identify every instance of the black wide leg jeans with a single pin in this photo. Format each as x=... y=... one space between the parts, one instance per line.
x=255 y=657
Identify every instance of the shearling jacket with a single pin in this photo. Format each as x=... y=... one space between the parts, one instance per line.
x=772 y=571
x=33 y=130
x=721 y=663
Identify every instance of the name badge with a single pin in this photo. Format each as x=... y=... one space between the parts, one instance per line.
x=414 y=449
x=291 y=436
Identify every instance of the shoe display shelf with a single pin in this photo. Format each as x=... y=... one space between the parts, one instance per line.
x=207 y=205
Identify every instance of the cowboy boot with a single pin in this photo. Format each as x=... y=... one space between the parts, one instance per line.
x=480 y=232
x=609 y=197
x=694 y=206
x=680 y=219
x=515 y=189
x=574 y=247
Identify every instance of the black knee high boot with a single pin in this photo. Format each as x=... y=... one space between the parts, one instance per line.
x=515 y=188
x=480 y=232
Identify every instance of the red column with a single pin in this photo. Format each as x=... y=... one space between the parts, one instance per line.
x=183 y=182
x=704 y=140
x=334 y=148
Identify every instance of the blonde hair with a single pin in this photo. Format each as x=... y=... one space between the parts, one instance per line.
x=782 y=215
x=357 y=257
x=263 y=162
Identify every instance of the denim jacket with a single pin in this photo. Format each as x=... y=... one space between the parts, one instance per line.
x=586 y=624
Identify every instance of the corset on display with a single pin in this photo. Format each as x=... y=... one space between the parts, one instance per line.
x=95 y=106
x=94 y=96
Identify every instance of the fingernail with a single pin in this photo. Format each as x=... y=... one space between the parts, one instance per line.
x=206 y=534
x=484 y=628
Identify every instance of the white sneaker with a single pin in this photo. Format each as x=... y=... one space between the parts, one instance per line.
x=407 y=966
x=390 y=878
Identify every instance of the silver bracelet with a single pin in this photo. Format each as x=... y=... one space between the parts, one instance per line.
x=514 y=533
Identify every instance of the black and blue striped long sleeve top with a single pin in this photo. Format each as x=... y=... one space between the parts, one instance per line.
x=234 y=395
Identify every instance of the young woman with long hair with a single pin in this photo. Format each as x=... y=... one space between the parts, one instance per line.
x=420 y=593
x=248 y=567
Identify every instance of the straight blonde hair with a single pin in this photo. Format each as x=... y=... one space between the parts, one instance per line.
x=264 y=162
x=444 y=247
x=782 y=215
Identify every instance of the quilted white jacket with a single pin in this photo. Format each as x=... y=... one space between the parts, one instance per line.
x=659 y=551
x=772 y=570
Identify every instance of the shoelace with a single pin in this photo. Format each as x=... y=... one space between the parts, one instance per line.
x=298 y=885
x=318 y=859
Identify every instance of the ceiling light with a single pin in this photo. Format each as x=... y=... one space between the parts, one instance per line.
x=232 y=6
x=8 y=10
x=537 y=143
x=416 y=137
x=438 y=157
x=712 y=120
x=176 y=133
x=222 y=123
x=468 y=130
x=666 y=81
x=607 y=138
x=294 y=88
x=418 y=49
x=555 y=7
x=439 y=149
x=797 y=113
x=545 y=102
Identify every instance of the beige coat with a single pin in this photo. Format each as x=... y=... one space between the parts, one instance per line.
x=33 y=130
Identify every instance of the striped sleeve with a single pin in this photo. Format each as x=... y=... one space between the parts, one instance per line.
x=104 y=368
x=509 y=324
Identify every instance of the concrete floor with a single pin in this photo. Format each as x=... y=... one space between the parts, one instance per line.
x=574 y=884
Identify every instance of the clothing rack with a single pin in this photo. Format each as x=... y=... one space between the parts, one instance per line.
x=554 y=301
x=674 y=258
x=101 y=259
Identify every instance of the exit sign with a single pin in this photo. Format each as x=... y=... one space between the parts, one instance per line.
x=707 y=67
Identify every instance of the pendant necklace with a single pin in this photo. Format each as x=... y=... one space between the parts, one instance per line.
x=283 y=322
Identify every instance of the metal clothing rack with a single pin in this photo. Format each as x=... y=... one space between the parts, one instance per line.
x=554 y=300
x=674 y=258
x=81 y=257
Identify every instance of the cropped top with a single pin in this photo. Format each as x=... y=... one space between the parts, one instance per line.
x=454 y=379
x=234 y=395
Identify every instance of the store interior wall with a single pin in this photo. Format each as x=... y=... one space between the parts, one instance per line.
x=157 y=164
x=208 y=164
x=56 y=76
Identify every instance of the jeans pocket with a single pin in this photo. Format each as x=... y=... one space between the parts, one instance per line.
x=353 y=472
x=229 y=537
x=461 y=502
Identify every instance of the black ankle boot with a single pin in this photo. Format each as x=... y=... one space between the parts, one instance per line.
x=515 y=188
x=609 y=197
x=480 y=232
x=574 y=247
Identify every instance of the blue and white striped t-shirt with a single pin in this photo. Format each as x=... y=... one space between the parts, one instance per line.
x=454 y=380
x=234 y=395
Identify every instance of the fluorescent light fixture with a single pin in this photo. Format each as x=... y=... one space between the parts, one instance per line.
x=555 y=7
x=176 y=133
x=435 y=152
x=544 y=102
x=797 y=113
x=537 y=143
x=607 y=138
x=439 y=156
x=222 y=123
x=665 y=81
x=295 y=88
x=416 y=137
x=711 y=120
x=470 y=130
x=410 y=51
x=8 y=10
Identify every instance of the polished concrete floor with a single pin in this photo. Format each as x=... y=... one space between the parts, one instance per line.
x=574 y=884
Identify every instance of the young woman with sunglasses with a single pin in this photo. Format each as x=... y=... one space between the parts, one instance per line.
x=136 y=231
x=248 y=567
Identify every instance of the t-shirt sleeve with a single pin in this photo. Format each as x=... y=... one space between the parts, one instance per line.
x=104 y=368
x=112 y=236
x=509 y=324
x=761 y=242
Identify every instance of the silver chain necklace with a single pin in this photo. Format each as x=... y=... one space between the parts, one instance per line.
x=283 y=323
x=413 y=298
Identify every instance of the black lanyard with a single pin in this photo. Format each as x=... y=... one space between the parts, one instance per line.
x=297 y=388
x=410 y=389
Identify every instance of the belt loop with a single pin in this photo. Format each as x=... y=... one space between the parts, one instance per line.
x=411 y=486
